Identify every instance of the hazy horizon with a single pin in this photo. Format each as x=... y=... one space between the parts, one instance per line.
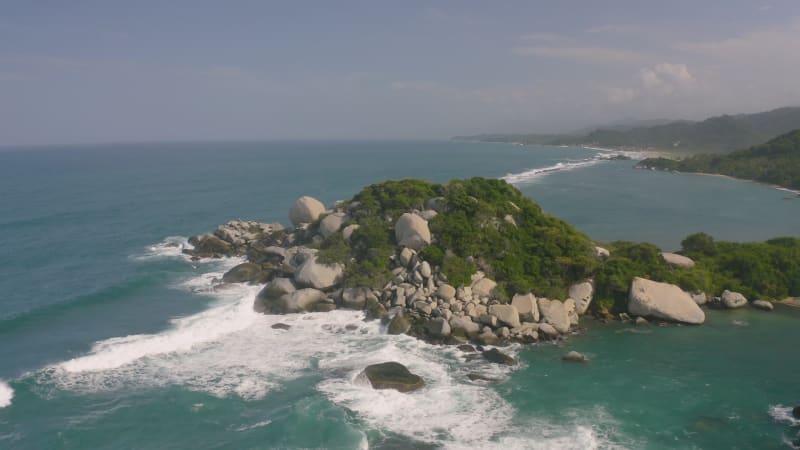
x=95 y=72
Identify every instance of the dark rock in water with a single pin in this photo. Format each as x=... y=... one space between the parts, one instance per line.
x=399 y=324
x=351 y=327
x=245 y=273
x=209 y=246
x=496 y=356
x=393 y=375
x=280 y=326
x=466 y=348
x=574 y=356
x=374 y=309
x=796 y=412
x=479 y=377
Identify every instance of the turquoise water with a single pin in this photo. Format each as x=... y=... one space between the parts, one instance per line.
x=109 y=339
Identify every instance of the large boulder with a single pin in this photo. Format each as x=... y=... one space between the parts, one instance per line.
x=392 y=375
x=664 y=301
x=349 y=230
x=209 y=246
x=306 y=210
x=483 y=287
x=763 y=305
x=245 y=273
x=317 y=275
x=465 y=325
x=582 y=294
x=276 y=289
x=398 y=325
x=733 y=300
x=496 y=356
x=412 y=231
x=505 y=313
x=331 y=224
x=526 y=306
x=356 y=298
x=554 y=313
x=301 y=300
x=676 y=260
x=601 y=252
x=446 y=292
x=572 y=311
x=438 y=327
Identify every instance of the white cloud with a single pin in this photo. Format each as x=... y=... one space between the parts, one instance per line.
x=665 y=78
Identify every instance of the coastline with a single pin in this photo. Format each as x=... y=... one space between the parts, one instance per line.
x=720 y=175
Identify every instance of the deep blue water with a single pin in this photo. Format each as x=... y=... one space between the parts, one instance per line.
x=81 y=264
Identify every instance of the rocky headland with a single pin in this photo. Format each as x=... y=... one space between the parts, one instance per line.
x=470 y=262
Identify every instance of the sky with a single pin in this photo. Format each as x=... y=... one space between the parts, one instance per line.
x=110 y=71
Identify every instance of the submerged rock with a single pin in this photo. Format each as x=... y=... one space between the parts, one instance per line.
x=496 y=356
x=664 y=301
x=574 y=356
x=392 y=375
x=280 y=326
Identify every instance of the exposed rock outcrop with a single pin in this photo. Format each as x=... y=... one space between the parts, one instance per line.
x=306 y=210
x=318 y=276
x=412 y=231
x=663 y=301
x=392 y=375
x=554 y=313
x=582 y=294
x=733 y=300
x=676 y=260
x=526 y=307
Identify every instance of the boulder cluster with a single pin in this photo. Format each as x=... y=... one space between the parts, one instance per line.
x=419 y=299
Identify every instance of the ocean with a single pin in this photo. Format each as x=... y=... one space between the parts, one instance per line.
x=110 y=338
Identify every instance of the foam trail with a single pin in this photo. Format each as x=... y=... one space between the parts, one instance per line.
x=6 y=394
x=531 y=175
x=783 y=414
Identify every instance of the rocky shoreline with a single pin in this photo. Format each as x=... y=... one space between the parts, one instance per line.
x=420 y=300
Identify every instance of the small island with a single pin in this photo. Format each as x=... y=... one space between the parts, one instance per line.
x=775 y=162
x=476 y=262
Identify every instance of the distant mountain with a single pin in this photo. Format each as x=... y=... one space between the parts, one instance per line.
x=775 y=162
x=714 y=135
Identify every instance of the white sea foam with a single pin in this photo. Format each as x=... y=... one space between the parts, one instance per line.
x=533 y=174
x=170 y=247
x=6 y=394
x=229 y=350
x=783 y=414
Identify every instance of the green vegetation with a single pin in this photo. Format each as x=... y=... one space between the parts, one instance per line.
x=776 y=162
x=489 y=225
x=769 y=270
x=715 y=135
